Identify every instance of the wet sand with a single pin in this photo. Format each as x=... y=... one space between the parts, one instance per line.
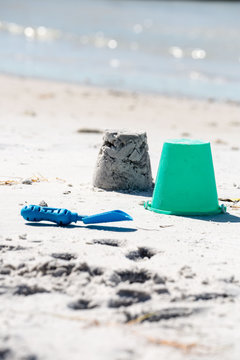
x=158 y=287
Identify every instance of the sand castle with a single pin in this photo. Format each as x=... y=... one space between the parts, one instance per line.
x=123 y=162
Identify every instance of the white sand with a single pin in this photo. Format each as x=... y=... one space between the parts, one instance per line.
x=189 y=288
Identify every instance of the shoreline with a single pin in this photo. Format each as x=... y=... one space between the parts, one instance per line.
x=69 y=283
x=119 y=90
x=207 y=119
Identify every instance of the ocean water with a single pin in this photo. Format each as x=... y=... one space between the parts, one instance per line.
x=178 y=48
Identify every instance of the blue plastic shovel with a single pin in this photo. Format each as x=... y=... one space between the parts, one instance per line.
x=66 y=217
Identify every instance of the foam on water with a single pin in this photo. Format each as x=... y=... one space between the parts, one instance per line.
x=176 y=48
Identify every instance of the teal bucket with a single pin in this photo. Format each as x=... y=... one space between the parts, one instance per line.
x=185 y=183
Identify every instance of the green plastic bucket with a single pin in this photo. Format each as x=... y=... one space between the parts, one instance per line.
x=185 y=183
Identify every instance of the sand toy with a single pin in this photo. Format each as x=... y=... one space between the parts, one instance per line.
x=65 y=217
x=185 y=183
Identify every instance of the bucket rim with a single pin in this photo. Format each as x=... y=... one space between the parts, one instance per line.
x=186 y=142
x=219 y=210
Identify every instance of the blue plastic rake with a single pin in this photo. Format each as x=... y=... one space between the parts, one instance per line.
x=64 y=217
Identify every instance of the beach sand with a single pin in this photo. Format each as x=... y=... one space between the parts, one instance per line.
x=155 y=288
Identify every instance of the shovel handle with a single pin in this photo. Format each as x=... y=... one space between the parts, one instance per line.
x=38 y=213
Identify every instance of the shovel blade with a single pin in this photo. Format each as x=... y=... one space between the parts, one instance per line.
x=109 y=216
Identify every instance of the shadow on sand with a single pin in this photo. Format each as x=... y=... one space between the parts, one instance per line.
x=90 y=227
x=220 y=218
x=147 y=193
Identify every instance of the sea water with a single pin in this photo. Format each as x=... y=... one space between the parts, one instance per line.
x=178 y=48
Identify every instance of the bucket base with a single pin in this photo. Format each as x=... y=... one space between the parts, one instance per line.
x=219 y=210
